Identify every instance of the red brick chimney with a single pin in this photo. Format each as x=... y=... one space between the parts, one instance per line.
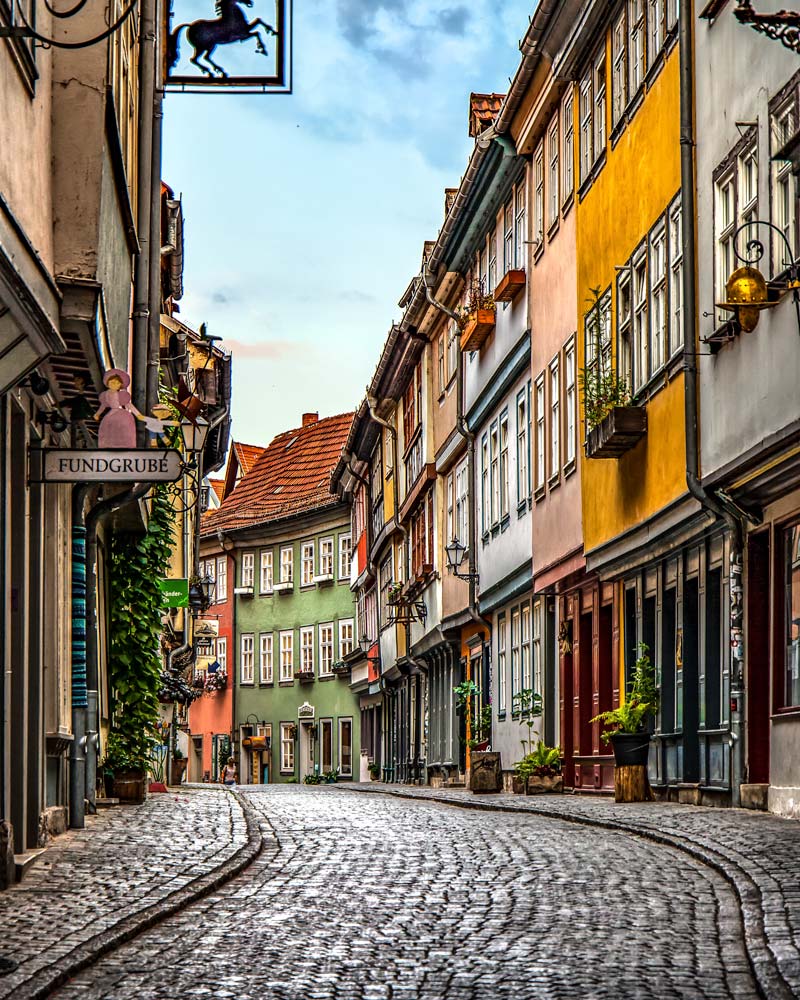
x=310 y=418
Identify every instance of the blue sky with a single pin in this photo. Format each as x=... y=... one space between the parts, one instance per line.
x=305 y=214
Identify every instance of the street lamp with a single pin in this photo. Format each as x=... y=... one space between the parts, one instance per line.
x=366 y=645
x=455 y=553
x=194 y=434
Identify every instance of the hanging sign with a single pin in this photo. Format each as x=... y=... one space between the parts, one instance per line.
x=112 y=465
x=174 y=593
x=202 y=57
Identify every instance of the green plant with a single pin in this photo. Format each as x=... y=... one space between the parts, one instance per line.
x=640 y=702
x=374 y=770
x=475 y=298
x=601 y=387
x=223 y=753
x=138 y=562
x=481 y=726
x=528 y=705
x=331 y=777
x=464 y=692
x=542 y=761
x=311 y=779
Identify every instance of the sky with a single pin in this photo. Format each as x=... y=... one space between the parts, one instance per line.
x=305 y=214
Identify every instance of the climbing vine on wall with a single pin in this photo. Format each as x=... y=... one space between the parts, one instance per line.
x=138 y=562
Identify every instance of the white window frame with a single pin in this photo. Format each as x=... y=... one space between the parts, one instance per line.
x=345 y=555
x=492 y=274
x=536 y=648
x=525 y=646
x=221 y=593
x=266 y=578
x=287 y=564
x=222 y=652
x=553 y=174
x=585 y=109
x=494 y=472
x=568 y=153
x=639 y=341
x=540 y=433
x=287 y=748
x=504 y=467
x=637 y=29
x=675 y=250
x=508 y=235
x=502 y=694
x=515 y=657
x=656 y=29
x=486 y=513
x=286 y=642
x=520 y=221
x=523 y=449
x=306 y=649
x=265 y=658
x=599 y=105
x=657 y=276
x=461 y=525
x=325 y=630
x=570 y=404
x=625 y=352
x=246 y=656
x=555 y=417
x=326 y=556
x=346 y=637
x=248 y=569
x=538 y=198
x=307 y=550
x=783 y=196
x=345 y=771
x=619 y=68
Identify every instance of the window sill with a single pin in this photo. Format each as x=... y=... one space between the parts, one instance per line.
x=570 y=468
x=485 y=537
x=554 y=482
x=505 y=522
x=327 y=677
x=593 y=174
x=412 y=440
x=247 y=684
x=265 y=593
x=266 y=684
x=522 y=508
x=539 y=492
x=658 y=65
x=501 y=716
x=285 y=684
x=567 y=204
x=551 y=232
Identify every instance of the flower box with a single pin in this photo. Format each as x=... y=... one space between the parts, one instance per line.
x=620 y=430
x=509 y=286
x=477 y=328
x=305 y=676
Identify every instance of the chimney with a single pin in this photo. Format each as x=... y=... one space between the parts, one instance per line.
x=310 y=418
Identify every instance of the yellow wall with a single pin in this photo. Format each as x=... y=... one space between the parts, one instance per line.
x=640 y=178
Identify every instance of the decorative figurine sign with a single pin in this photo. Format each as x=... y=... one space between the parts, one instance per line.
x=201 y=55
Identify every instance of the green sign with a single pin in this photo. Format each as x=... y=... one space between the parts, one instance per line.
x=174 y=593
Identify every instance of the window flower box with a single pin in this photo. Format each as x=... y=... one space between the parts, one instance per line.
x=510 y=285
x=285 y=587
x=620 y=430
x=305 y=676
x=479 y=324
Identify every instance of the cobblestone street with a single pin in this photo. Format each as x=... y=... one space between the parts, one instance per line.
x=376 y=896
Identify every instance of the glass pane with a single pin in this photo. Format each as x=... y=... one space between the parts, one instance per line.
x=793 y=615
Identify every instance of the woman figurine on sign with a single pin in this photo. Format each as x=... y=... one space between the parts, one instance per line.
x=118 y=426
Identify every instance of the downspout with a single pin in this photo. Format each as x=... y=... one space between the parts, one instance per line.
x=92 y=675
x=154 y=318
x=144 y=199
x=709 y=501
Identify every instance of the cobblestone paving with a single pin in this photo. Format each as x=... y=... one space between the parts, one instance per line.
x=758 y=851
x=126 y=859
x=365 y=898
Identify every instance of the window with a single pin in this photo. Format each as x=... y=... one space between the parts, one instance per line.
x=306 y=564
x=585 y=119
x=422 y=537
x=385 y=580
x=450 y=501
x=326 y=557
x=440 y=362
x=246 y=659
x=619 y=69
x=725 y=212
x=494 y=475
x=675 y=279
x=515 y=657
x=624 y=349
x=486 y=517
x=597 y=339
x=265 y=658
x=538 y=198
x=266 y=572
x=287 y=564
x=599 y=114
x=525 y=641
x=346 y=748
x=635 y=45
x=326 y=745
x=519 y=226
x=791 y=615
x=570 y=401
x=453 y=350
x=540 y=432
x=508 y=237
x=287 y=656
x=461 y=526
x=344 y=557
x=222 y=653
x=657 y=29
x=287 y=747
x=536 y=648
x=748 y=185
x=501 y=663
x=639 y=322
x=555 y=419
x=552 y=174
x=412 y=409
x=523 y=448
x=346 y=639
x=783 y=127
x=492 y=262
x=325 y=648
x=222 y=579
x=568 y=155
x=504 y=472
x=307 y=649
x=658 y=299
x=248 y=562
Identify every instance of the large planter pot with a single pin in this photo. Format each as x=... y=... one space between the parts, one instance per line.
x=631 y=749
x=539 y=783
x=517 y=784
x=176 y=770
x=485 y=774
x=620 y=430
x=129 y=786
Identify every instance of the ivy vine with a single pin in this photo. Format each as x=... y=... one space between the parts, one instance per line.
x=138 y=562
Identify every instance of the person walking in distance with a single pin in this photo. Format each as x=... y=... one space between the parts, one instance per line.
x=229 y=773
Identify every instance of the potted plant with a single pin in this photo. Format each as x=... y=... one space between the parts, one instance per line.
x=538 y=771
x=481 y=728
x=124 y=768
x=626 y=725
x=177 y=766
x=374 y=771
x=476 y=317
x=330 y=777
x=394 y=593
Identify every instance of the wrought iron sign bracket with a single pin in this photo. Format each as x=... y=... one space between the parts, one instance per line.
x=783 y=26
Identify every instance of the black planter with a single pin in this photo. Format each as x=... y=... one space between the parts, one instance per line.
x=630 y=749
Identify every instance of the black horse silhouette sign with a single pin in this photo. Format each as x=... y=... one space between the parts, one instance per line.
x=208 y=56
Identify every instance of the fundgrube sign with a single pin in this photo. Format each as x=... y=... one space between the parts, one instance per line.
x=112 y=465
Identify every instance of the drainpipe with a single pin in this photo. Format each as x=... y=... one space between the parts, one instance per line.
x=709 y=501
x=154 y=281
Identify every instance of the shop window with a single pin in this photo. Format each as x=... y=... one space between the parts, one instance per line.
x=713 y=657
x=667 y=661
x=792 y=615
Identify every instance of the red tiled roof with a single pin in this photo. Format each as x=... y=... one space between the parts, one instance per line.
x=247 y=455
x=217 y=486
x=483 y=109
x=291 y=476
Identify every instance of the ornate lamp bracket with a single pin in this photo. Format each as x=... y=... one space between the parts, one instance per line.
x=783 y=26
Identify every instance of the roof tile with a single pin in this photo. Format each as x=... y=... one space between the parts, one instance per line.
x=483 y=109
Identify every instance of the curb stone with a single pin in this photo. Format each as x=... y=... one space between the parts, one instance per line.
x=770 y=982
x=44 y=982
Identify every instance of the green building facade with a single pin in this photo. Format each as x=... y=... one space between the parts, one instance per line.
x=295 y=713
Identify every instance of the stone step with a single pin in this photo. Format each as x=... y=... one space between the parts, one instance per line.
x=106 y=803
x=22 y=862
